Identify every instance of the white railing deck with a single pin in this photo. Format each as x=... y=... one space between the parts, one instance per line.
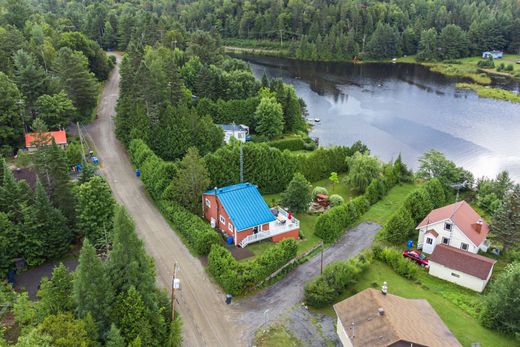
x=275 y=228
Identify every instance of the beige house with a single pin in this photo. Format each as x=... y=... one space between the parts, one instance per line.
x=466 y=269
x=373 y=319
x=456 y=225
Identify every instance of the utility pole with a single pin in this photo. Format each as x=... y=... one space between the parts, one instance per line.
x=321 y=261
x=175 y=286
x=241 y=163
x=81 y=141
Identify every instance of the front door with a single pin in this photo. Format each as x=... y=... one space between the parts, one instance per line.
x=429 y=244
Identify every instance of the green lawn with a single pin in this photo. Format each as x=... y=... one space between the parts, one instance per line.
x=382 y=210
x=446 y=298
x=276 y=336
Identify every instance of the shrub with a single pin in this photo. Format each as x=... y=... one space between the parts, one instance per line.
x=400 y=226
x=298 y=194
x=336 y=278
x=419 y=204
x=396 y=261
x=236 y=278
x=336 y=200
x=376 y=190
x=486 y=64
x=291 y=144
x=319 y=190
x=197 y=234
x=509 y=67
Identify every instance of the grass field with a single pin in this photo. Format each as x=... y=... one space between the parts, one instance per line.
x=446 y=298
x=276 y=336
x=492 y=93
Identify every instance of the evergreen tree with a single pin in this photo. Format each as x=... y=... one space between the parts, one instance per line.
x=29 y=76
x=56 y=294
x=45 y=233
x=453 y=42
x=11 y=126
x=9 y=243
x=419 y=204
x=506 y=221
x=298 y=195
x=12 y=199
x=175 y=337
x=269 y=117
x=190 y=182
x=92 y=292
x=129 y=313
x=428 y=45
x=114 y=338
x=95 y=211
x=383 y=42
x=400 y=227
x=436 y=192
x=77 y=82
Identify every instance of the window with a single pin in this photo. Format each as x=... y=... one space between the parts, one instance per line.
x=222 y=220
x=447 y=226
x=464 y=246
x=230 y=227
x=455 y=275
x=208 y=203
x=446 y=240
x=429 y=240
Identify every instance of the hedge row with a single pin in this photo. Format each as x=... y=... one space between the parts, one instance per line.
x=392 y=257
x=237 y=278
x=197 y=234
x=271 y=169
x=291 y=144
x=336 y=278
x=157 y=175
x=401 y=225
x=331 y=224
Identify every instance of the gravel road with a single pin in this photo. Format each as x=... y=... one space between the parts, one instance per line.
x=207 y=321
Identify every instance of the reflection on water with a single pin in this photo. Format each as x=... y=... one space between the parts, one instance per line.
x=403 y=108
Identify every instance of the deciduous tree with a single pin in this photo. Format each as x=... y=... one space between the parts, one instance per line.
x=269 y=117
x=363 y=168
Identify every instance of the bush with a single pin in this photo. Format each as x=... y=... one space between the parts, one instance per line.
x=297 y=196
x=331 y=224
x=419 y=204
x=196 y=233
x=486 y=64
x=319 y=190
x=236 y=278
x=400 y=227
x=509 y=67
x=376 y=190
x=291 y=144
x=336 y=200
x=393 y=258
x=336 y=278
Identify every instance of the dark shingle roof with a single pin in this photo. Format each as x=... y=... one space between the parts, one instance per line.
x=458 y=259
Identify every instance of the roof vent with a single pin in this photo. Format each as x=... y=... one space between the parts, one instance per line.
x=480 y=221
x=381 y=311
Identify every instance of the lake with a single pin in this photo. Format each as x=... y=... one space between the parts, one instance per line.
x=403 y=108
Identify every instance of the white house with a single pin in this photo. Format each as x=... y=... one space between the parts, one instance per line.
x=492 y=54
x=466 y=269
x=456 y=225
x=238 y=131
x=373 y=319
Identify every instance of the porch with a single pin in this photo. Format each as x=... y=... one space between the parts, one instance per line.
x=281 y=225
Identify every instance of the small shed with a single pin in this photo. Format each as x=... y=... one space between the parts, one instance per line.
x=492 y=54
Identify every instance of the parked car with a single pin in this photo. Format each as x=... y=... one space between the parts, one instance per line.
x=416 y=256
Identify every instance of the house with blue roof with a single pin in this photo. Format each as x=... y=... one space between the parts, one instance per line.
x=240 y=212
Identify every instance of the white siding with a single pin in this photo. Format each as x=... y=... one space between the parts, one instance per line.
x=237 y=134
x=457 y=237
x=342 y=334
x=464 y=280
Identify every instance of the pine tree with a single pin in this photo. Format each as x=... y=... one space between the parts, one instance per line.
x=76 y=80
x=175 y=337
x=9 y=236
x=11 y=125
x=191 y=181
x=49 y=222
x=11 y=197
x=114 y=338
x=506 y=221
x=92 y=292
x=95 y=211
x=29 y=76
x=56 y=294
x=129 y=313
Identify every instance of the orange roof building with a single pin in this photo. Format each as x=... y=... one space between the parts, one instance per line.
x=60 y=138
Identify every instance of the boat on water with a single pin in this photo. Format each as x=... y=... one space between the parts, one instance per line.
x=317 y=120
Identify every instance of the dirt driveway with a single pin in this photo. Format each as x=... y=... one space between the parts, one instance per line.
x=207 y=320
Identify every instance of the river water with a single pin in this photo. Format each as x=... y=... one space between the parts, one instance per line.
x=403 y=108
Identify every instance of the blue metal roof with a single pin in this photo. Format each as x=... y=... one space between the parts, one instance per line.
x=244 y=205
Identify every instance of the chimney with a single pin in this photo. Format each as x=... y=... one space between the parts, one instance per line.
x=478 y=225
x=384 y=288
x=381 y=311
